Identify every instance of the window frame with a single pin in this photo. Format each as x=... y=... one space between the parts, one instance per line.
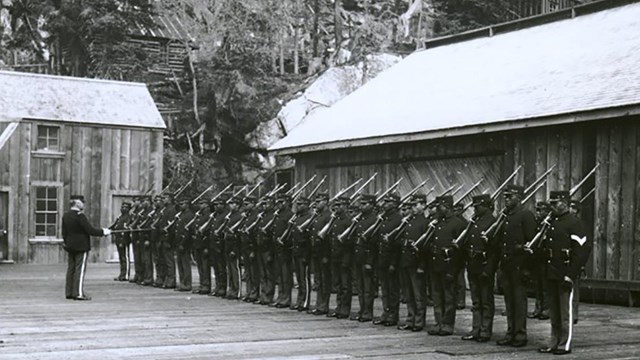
x=47 y=148
x=56 y=236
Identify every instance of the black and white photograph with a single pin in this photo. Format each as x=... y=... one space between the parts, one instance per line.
x=319 y=179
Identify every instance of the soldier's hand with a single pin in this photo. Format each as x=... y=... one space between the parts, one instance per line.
x=181 y=248
x=232 y=254
x=252 y=255
x=205 y=251
x=392 y=268
x=420 y=270
x=147 y=243
x=368 y=267
x=567 y=284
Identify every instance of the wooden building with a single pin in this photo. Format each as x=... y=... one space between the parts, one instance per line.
x=102 y=139
x=562 y=89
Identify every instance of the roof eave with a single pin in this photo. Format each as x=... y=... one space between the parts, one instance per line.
x=102 y=124
x=513 y=124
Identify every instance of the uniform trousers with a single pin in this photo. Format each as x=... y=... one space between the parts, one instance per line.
x=561 y=314
x=284 y=272
x=267 y=282
x=483 y=305
x=461 y=290
x=76 y=269
x=252 y=269
x=303 y=278
x=169 y=260
x=234 y=285
x=342 y=271
x=365 y=284
x=390 y=286
x=413 y=284
x=184 y=267
x=324 y=287
x=147 y=259
x=515 y=299
x=444 y=300
x=137 y=257
x=157 y=253
x=218 y=260
x=542 y=301
x=124 y=261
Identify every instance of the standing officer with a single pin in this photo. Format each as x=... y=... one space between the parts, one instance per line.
x=412 y=266
x=122 y=241
x=321 y=253
x=200 y=246
x=264 y=247
x=249 y=251
x=567 y=249
x=541 y=310
x=157 y=238
x=232 y=249
x=282 y=251
x=136 y=212
x=301 y=254
x=216 y=246
x=364 y=258
x=481 y=262
x=388 y=258
x=145 y=241
x=182 y=242
x=519 y=227
x=444 y=266
x=167 y=242
x=76 y=232
x=574 y=208
x=341 y=259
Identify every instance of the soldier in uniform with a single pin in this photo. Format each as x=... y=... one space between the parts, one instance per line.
x=122 y=241
x=265 y=251
x=481 y=262
x=364 y=258
x=541 y=310
x=249 y=250
x=156 y=239
x=461 y=285
x=321 y=253
x=145 y=241
x=136 y=212
x=200 y=246
x=574 y=208
x=216 y=246
x=232 y=249
x=341 y=259
x=444 y=266
x=519 y=227
x=388 y=258
x=567 y=248
x=182 y=241
x=168 y=243
x=282 y=251
x=412 y=265
x=301 y=255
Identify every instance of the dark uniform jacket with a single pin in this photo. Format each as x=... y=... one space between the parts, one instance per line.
x=76 y=231
x=388 y=252
x=341 y=252
x=247 y=236
x=566 y=247
x=320 y=248
x=231 y=239
x=265 y=239
x=198 y=240
x=365 y=246
x=300 y=239
x=280 y=225
x=216 y=231
x=479 y=255
x=519 y=227
x=416 y=226
x=182 y=238
x=121 y=223
x=443 y=256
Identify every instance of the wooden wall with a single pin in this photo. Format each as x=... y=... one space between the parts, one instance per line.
x=99 y=163
x=610 y=214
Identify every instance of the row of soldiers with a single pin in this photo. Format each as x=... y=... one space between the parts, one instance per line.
x=387 y=241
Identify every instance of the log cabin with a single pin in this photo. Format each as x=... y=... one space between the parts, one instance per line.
x=64 y=136
x=560 y=89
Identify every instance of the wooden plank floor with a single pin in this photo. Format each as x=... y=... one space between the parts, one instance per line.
x=129 y=321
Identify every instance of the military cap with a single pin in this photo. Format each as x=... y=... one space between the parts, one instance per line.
x=77 y=197
x=222 y=199
x=555 y=196
x=482 y=200
x=406 y=205
x=158 y=197
x=322 y=196
x=391 y=197
x=182 y=199
x=302 y=200
x=283 y=198
x=367 y=198
x=542 y=205
x=418 y=198
x=341 y=200
x=125 y=205
x=446 y=200
x=514 y=190
x=235 y=200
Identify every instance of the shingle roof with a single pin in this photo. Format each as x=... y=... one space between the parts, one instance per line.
x=168 y=27
x=586 y=63
x=80 y=100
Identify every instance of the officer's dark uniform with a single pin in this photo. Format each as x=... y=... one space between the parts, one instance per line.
x=481 y=262
x=136 y=217
x=156 y=239
x=250 y=252
x=122 y=241
x=445 y=263
x=301 y=255
x=282 y=252
x=341 y=260
x=232 y=252
x=216 y=246
x=167 y=244
x=541 y=310
x=365 y=260
x=145 y=242
x=182 y=240
x=412 y=269
x=264 y=230
x=200 y=247
x=567 y=248
x=388 y=262
x=519 y=227
x=321 y=252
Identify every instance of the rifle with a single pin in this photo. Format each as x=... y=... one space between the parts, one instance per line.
x=315 y=189
x=344 y=191
x=546 y=222
x=390 y=189
x=375 y=227
x=201 y=194
x=468 y=192
x=204 y=226
x=167 y=187
x=253 y=189
x=393 y=234
x=299 y=191
x=359 y=190
x=236 y=193
x=430 y=203
x=406 y=198
x=292 y=189
x=588 y=194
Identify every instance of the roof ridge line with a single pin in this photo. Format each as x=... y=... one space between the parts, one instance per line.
x=74 y=78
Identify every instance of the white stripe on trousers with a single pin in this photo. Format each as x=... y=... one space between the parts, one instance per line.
x=307 y=294
x=567 y=347
x=239 y=278
x=82 y=270
x=128 y=266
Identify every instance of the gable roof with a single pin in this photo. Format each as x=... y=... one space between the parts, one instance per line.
x=547 y=72
x=77 y=100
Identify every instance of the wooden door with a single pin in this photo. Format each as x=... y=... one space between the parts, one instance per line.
x=4 y=225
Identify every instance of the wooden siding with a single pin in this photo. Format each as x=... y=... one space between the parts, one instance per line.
x=99 y=163
x=610 y=214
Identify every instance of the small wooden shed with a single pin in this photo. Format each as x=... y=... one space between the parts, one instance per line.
x=102 y=139
x=560 y=89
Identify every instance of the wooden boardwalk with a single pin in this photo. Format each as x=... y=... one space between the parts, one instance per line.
x=133 y=322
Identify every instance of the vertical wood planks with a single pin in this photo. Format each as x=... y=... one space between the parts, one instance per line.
x=600 y=234
x=24 y=190
x=125 y=154
x=627 y=221
x=613 y=211
x=635 y=262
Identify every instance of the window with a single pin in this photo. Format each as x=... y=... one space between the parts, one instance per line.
x=48 y=138
x=46 y=211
